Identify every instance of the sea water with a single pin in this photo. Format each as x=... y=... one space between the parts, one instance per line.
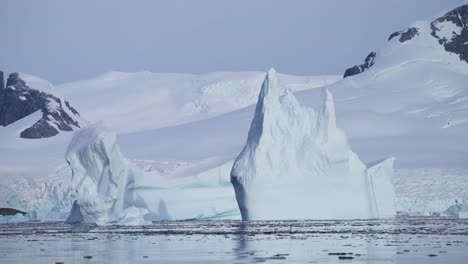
x=410 y=240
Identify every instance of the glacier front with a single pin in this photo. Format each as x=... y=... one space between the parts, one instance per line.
x=297 y=164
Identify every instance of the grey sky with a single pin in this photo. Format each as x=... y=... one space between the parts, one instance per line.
x=71 y=40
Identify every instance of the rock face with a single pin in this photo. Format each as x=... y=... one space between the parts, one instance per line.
x=368 y=62
x=102 y=177
x=10 y=211
x=409 y=34
x=452 y=31
x=297 y=164
x=17 y=100
x=2 y=80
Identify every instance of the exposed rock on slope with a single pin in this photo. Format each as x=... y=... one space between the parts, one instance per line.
x=368 y=62
x=2 y=80
x=297 y=164
x=409 y=34
x=452 y=31
x=18 y=100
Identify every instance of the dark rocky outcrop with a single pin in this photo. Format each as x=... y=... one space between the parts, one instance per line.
x=14 y=80
x=409 y=34
x=457 y=42
x=17 y=100
x=368 y=62
x=2 y=80
x=10 y=211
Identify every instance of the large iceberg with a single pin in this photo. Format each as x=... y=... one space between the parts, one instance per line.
x=103 y=178
x=112 y=190
x=297 y=164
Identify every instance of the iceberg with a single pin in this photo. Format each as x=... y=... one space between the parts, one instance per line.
x=297 y=164
x=110 y=189
x=103 y=179
x=382 y=195
x=16 y=218
x=459 y=210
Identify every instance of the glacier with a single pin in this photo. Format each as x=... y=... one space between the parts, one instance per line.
x=297 y=164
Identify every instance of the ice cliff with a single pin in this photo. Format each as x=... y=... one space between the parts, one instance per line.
x=103 y=179
x=297 y=164
x=112 y=190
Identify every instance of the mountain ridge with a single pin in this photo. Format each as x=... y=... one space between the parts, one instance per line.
x=18 y=100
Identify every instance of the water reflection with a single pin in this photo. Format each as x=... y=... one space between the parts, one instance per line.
x=373 y=241
x=242 y=251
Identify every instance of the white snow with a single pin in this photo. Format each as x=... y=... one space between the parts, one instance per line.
x=298 y=165
x=447 y=30
x=37 y=83
x=170 y=99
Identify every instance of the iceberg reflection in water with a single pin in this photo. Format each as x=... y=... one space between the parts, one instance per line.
x=417 y=240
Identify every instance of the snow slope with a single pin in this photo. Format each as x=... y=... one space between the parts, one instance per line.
x=171 y=99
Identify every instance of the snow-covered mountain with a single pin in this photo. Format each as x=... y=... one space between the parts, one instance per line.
x=411 y=102
x=18 y=100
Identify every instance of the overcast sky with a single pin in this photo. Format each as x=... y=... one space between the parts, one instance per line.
x=71 y=40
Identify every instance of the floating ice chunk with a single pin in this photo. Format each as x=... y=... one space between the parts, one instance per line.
x=130 y=216
x=14 y=218
x=463 y=215
x=102 y=177
x=459 y=209
x=75 y=215
x=297 y=164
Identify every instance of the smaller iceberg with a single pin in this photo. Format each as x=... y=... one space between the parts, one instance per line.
x=297 y=164
x=112 y=190
x=459 y=210
x=103 y=179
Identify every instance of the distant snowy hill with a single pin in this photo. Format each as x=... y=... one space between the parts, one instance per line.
x=131 y=102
